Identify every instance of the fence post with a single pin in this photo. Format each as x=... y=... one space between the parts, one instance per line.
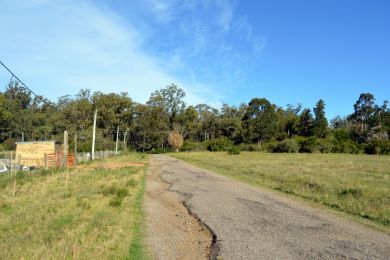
x=45 y=158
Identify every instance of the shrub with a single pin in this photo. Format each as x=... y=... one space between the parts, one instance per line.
x=346 y=147
x=219 y=144
x=378 y=147
x=285 y=146
x=160 y=150
x=325 y=145
x=175 y=140
x=192 y=146
x=250 y=147
x=9 y=144
x=308 y=145
x=341 y=135
x=234 y=150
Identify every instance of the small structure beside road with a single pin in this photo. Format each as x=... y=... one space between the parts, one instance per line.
x=40 y=154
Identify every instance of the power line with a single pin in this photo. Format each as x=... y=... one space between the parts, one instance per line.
x=26 y=87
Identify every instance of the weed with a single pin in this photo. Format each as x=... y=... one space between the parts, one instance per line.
x=67 y=194
x=110 y=190
x=115 y=201
x=131 y=183
x=352 y=192
x=122 y=192
x=5 y=208
x=83 y=204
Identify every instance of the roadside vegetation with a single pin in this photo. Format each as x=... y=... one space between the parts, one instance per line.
x=355 y=184
x=97 y=215
x=166 y=122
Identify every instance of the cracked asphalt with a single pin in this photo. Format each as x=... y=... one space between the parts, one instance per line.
x=251 y=223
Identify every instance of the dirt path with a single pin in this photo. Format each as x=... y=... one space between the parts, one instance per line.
x=172 y=232
x=249 y=223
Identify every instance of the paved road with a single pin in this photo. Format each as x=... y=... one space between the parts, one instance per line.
x=251 y=223
x=172 y=233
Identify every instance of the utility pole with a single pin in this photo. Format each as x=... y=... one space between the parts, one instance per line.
x=75 y=148
x=93 y=135
x=22 y=136
x=124 y=140
x=117 y=140
x=65 y=162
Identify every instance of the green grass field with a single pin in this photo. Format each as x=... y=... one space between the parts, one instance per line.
x=355 y=184
x=97 y=216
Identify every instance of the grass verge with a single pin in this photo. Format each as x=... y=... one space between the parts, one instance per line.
x=354 y=184
x=98 y=215
x=137 y=247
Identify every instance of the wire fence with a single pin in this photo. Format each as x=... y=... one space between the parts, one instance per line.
x=9 y=160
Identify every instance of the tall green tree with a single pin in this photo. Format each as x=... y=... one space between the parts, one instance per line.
x=364 y=109
x=260 y=121
x=291 y=118
x=171 y=99
x=320 y=125
x=305 y=123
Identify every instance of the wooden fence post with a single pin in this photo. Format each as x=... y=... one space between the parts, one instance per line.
x=45 y=158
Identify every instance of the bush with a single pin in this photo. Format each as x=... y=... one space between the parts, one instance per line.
x=160 y=150
x=250 y=147
x=175 y=140
x=285 y=146
x=346 y=147
x=308 y=145
x=234 y=150
x=325 y=145
x=378 y=147
x=341 y=135
x=219 y=144
x=191 y=146
x=9 y=144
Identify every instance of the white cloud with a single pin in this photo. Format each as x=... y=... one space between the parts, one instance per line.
x=61 y=47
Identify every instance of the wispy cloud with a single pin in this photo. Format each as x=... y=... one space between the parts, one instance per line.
x=208 y=40
x=61 y=46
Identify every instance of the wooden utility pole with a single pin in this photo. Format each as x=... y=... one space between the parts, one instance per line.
x=93 y=135
x=65 y=162
x=125 y=141
x=75 y=148
x=117 y=140
x=22 y=136
x=13 y=173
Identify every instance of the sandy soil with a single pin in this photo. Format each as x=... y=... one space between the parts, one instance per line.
x=110 y=165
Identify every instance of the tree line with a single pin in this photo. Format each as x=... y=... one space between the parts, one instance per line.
x=258 y=125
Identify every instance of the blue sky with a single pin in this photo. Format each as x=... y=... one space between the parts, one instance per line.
x=218 y=51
